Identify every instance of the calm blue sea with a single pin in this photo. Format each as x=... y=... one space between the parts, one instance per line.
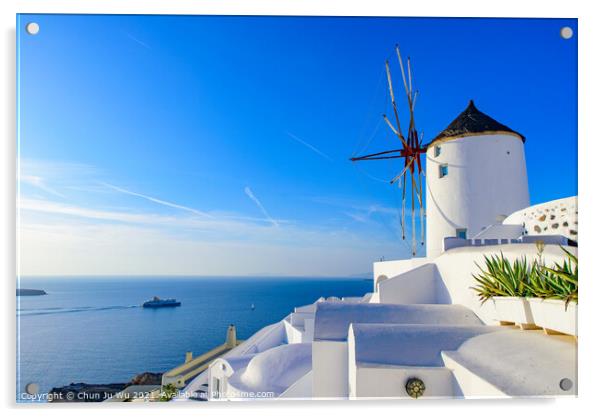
x=94 y=330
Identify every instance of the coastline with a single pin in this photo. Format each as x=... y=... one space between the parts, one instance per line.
x=87 y=392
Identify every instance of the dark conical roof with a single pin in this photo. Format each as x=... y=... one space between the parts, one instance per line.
x=472 y=122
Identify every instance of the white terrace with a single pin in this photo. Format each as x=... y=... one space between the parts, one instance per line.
x=422 y=321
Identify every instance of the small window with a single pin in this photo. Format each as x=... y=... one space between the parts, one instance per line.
x=461 y=233
x=437 y=150
x=442 y=170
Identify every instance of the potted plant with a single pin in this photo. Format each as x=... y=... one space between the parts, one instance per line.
x=505 y=284
x=554 y=306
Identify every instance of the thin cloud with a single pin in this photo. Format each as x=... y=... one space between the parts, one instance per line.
x=364 y=215
x=158 y=201
x=50 y=207
x=39 y=182
x=138 y=41
x=309 y=146
x=359 y=207
x=358 y=217
x=224 y=225
x=250 y=194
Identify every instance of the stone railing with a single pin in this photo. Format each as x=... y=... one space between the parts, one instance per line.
x=456 y=242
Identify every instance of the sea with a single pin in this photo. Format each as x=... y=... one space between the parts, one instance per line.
x=94 y=330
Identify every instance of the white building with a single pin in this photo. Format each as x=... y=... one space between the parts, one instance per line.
x=423 y=328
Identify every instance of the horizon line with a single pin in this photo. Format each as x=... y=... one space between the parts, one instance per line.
x=191 y=276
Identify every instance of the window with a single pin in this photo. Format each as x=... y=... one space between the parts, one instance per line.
x=437 y=150
x=442 y=170
x=461 y=233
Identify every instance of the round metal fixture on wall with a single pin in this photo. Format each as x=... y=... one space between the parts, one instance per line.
x=415 y=387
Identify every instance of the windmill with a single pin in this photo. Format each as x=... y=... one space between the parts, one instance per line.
x=410 y=151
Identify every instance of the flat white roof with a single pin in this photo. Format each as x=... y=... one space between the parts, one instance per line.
x=521 y=363
x=409 y=344
x=333 y=319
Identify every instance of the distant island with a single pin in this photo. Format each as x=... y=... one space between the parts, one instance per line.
x=28 y=292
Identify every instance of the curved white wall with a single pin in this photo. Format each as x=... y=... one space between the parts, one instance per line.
x=487 y=177
x=557 y=217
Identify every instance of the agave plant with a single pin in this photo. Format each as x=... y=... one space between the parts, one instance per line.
x=502 y=278
x=540 y=283
x=522 y=279
x=563 y=278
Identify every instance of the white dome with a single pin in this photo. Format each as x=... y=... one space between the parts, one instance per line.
x=277 y=368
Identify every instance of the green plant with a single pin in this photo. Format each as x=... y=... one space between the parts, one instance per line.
x=168 y=392
x=502 y=278
x=540 y=283
x=564 y=278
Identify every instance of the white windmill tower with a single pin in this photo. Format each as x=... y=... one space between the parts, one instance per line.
x=475 y=174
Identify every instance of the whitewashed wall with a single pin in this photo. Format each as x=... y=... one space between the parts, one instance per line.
x=389 y=382
x=388 y=269
x=417 y=286
x=329 y=369
x=557 y=217
x=487 y=177
x=220 y=370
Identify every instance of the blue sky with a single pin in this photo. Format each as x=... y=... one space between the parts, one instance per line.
x=220 y=145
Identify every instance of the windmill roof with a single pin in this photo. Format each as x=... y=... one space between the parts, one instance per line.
x=472 y=122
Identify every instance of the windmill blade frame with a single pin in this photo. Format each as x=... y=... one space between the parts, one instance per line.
x=411 y=151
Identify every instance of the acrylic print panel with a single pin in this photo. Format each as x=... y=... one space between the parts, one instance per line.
x=215 y=208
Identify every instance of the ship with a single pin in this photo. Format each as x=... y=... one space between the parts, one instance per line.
x=156 y=302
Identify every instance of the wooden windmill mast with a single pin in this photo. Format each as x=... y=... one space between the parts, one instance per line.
x=410 y=152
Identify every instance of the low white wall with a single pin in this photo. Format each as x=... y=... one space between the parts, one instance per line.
x=389 y=382
x=309 y=308
x=416 y=286
x=557 y=217
x=329 y=369
x=293 y=335
x=470 y=385
x=298 y=319
x=302 y=389
x=299 y=327
x=264 y=339
x=391 y=269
